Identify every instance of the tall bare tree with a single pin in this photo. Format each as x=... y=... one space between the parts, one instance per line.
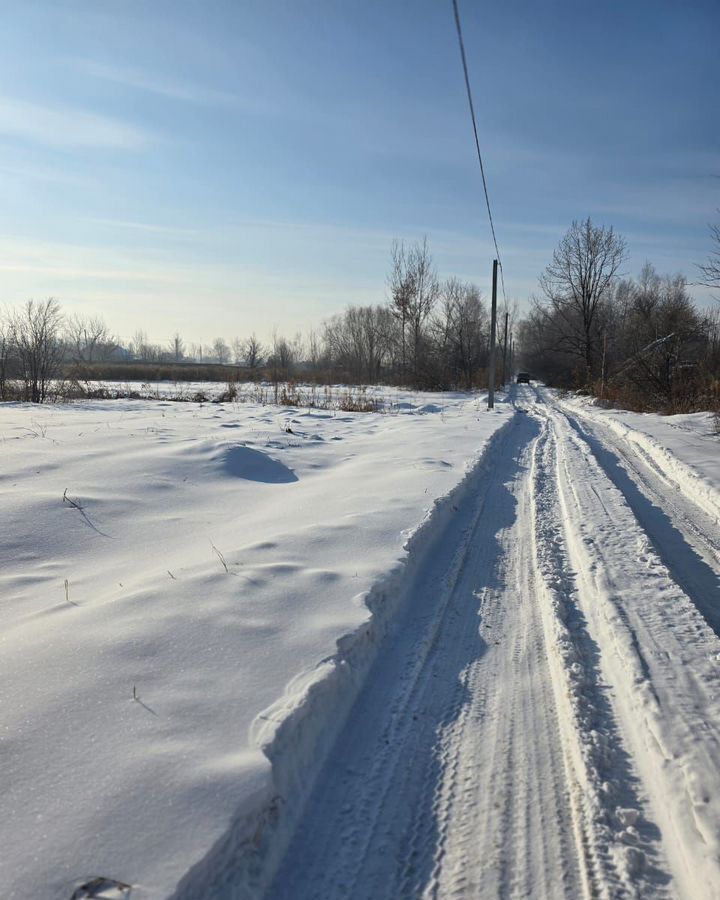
x=140 y=346
x=252 y=352
x=177 y=347
x=414 y=290
x=4 y=356
x=711 y=269
x=221 y=351
x=460 y=331
x=400 y=284
x=89 y=339
x=35 y=336
x=577 y=282
x=359 y=340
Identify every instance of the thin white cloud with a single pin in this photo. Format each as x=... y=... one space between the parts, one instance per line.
x=68 y=263
x=148 y=228
x=154 y=84
x=27 y=172
x=67 y=127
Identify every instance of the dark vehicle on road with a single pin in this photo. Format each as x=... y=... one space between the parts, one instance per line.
x=523 y=378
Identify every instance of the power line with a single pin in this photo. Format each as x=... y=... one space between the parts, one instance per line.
x=477 y=142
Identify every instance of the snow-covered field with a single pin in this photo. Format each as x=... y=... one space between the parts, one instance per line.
x=322 y=396
x=175 y=578
x=443 y=652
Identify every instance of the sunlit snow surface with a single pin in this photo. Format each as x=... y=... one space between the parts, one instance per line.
x=523 y=605
x=167 y=570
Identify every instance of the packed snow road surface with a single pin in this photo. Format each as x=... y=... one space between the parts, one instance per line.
x=541 y=719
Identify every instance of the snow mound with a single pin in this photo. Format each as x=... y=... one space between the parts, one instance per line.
x=254 y=465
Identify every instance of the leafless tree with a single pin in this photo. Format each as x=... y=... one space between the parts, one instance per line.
x=221 y=351
x=414 y=290
x=711 y=269
x=460 y=332
x=359 y=340
x=577 y=282
x=283 y=356
x=4 y=356
x=35 y=337
x=236 y=351
x=400 y=284
x=314 y=350
x=89 y=339
x=140 y=346
x=664 y=336
x=177 y=347
x=252 y=352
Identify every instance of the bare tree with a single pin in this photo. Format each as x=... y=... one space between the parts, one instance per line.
x=236 y=351
x=140 y=346
x=460 y=332
x=359 y=341
x=664 y=336
x=35 y=336
x=711 y=269
x=221 y=351
x=89 y=339
x=252 y=352
x=577 y=282
x=177 y=348
x=4 y=356
x=314 y=352
x=414 y=290
x=282 y=355
x=400 y=284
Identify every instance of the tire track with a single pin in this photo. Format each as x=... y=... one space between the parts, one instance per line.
x=462 y=780
x=681 y=534
x=654 y=652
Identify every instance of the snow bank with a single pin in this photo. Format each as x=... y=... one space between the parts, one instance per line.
x=683 y=448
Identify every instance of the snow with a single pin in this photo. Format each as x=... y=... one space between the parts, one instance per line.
x=685 y=446
x=173 y=577
x=251 y=651
x=657 y=652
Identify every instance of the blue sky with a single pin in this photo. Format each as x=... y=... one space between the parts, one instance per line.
x=223 y=167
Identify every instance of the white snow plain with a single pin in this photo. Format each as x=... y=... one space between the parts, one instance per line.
x=170 y=571
x=441 y=652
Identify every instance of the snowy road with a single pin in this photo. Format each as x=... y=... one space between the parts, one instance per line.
x=542 y=719
x=449 y=779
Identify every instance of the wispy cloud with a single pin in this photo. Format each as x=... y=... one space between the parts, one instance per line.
x=32 y=172
x=148 y=228
x=67 y=127
x=154 y=84
x=69 y=263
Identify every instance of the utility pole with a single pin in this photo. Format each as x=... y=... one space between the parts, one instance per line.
x=505 y=349
x=493 y=326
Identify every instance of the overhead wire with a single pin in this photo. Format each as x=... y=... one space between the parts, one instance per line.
x=461 y=42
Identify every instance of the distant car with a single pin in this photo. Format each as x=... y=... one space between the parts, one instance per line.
x=523 y=378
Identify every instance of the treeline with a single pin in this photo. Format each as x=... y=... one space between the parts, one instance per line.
x=636 y=342
x=429 y=333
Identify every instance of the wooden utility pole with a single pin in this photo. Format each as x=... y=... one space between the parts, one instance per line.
x=493 y=326
x=505 y=349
